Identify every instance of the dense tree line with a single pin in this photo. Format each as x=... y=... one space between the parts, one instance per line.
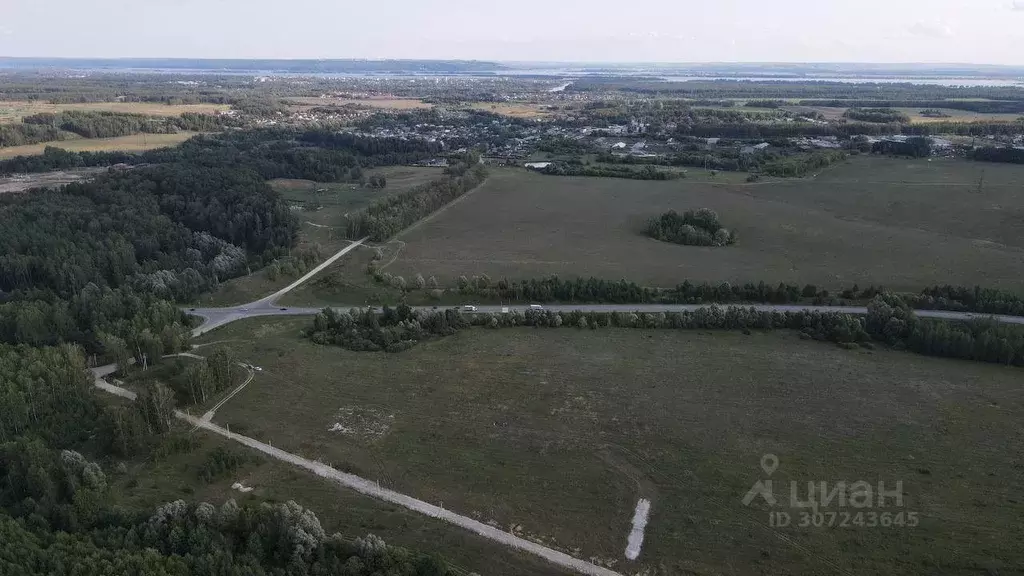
x=879 y=115
x=22 y=134
x=101 y=124
x=889 y=321
x=993 y=154
x=54 y=158
x=963 y=299
x=693 y=228
x=981 y=106
x=394 y=330
x=579 y=169
x=58 y=518
x=917 y=147
x=385 y=218
x=892 y=321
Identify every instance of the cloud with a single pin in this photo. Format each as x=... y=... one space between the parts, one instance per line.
x=1017 y=6
x=934 y=30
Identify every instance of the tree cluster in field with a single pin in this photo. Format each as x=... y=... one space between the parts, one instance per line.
x=192 y=381
x=220 y=463
x=877 y=115
x=562 y=146
x=58 y=517
x=1008 y=154
x=693 y=228
x=294 y=265
x=394 y=330
x=917 y=147
x=579 y=169
x=963 y=299
x=387 y=217
x=934 y=113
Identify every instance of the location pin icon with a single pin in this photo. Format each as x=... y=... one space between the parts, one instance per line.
x=769 y=463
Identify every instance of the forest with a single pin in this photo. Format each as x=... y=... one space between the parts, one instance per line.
x=47 y=126
x=96 y=272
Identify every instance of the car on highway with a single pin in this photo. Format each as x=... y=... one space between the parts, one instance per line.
x=243 y=309
x=469 y=308
x=284 y=309
x=536 y=307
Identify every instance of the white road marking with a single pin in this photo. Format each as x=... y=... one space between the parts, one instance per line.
x=636 y=535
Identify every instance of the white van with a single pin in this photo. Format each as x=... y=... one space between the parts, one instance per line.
x=468 y=308
x=536 y=307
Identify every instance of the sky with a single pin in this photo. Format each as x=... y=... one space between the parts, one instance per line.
x=898 y=31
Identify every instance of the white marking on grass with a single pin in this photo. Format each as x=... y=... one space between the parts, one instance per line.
x=636 y=535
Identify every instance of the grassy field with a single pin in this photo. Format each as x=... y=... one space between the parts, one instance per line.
x=150 y=483
x=133 y=143
x=514 y=109
x=557 y=433
x=321 y=209
x=382 y=102
x=14 y=111
x=899 y=223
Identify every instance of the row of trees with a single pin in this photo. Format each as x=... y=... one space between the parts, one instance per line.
x=693 y=228
x=385 y=218
x=889 y=321
x=881 y=115
x=1007 y=154
x=963 y=299
x=970 y=105
x=101 y=124
x=579 y=169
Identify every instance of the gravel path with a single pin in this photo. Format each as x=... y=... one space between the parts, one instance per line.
x=372 y=489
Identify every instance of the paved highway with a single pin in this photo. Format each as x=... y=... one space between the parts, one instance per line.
x=216 y=317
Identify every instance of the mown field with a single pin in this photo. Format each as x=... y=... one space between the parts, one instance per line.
x=321 y=209
x=555 y=433
x=132 y=143
x=899 y=223
x=14 y=111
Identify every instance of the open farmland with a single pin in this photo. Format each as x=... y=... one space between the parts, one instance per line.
x=556 y=433
x=321 y=209
x=380 y=102
x=14 y=111
x=902 y=224
x=132 y=143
